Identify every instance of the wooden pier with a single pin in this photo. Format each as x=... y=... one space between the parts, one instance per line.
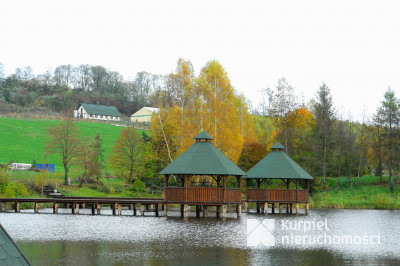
x=74 y=204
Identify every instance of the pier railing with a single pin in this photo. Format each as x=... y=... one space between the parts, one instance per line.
x=203 y=195
x=277 y=195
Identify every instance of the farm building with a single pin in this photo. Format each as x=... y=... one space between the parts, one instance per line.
x=97 y=111
x=144 y=114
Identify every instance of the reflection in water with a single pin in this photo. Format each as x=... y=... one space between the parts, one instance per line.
x=50 y=239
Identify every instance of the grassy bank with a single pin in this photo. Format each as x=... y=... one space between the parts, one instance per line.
x=370 y=194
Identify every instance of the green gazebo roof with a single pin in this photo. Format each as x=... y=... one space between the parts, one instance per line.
x=202 y=158
x=277 y=164
x=9 y=252
x=203 y=135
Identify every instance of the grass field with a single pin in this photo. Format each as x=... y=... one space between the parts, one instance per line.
x=23 y=141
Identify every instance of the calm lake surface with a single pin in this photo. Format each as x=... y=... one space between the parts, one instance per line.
x=66 y=239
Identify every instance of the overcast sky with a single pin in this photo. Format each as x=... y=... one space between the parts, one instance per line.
x=352 y=46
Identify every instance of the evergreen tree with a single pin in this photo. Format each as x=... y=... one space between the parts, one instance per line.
x=324 y=115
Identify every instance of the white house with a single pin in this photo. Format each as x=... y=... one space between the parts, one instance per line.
x=144 y=114
x=97 y=111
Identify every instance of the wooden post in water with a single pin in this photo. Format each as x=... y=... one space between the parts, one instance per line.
x=147 y=207
x=93 y=208
x=36 y=207
x=3 y=207
x=98 y=208
x=218 y=211
x=165 y=207
x=134 y=209
x=76 y=207
x=142 y=209
x=114 y=208
x=246 y=205
x=185 y=210
x=17 y=206
x=258 y=207
x=307 y=208
x=273 y=208
x=156 y=209
x=280 y=208
x=266 y=208
x=55 y=207
x=239 y=210
x=297 y=207
x=291 y=208
x=224 y=207
x=205 y=211
x=119 y=208
x=197 y=211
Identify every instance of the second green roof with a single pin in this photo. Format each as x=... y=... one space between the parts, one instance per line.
x=202 y=158
x=277 y=165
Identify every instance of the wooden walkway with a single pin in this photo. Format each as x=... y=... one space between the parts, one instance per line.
x=95 y=202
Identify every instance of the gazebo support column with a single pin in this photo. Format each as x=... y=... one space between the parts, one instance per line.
x=98 y=208
x=291 y=208
x=185 y=211
x=205 y=211
x=306 y=208
x=280 y=208
x=218 y=211
x=142 y=210
x=273 y=208
x=246 y=205
x=165 y=210
x=239 y=210
x=297 y=207
x=258 y=207
x=224 y=207
x=197 y=211
x=266 y=208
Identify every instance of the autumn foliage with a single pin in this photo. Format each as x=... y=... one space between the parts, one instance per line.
x=206 y=102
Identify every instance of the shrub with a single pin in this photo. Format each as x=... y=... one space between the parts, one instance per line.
x=138 y=185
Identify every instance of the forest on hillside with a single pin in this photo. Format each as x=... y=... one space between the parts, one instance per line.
x=317 y=135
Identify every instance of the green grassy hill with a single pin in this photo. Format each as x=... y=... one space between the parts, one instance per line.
x=25 y=140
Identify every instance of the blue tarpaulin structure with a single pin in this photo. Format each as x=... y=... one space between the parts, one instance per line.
x=48 y=167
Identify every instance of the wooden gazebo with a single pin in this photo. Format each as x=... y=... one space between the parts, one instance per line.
x=277 y=165
x=202 y=160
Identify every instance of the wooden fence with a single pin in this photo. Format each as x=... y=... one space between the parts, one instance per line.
x=202 y=195
x=277 y=195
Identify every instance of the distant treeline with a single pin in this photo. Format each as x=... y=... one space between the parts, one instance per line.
x=63 y=89
x=315 y=134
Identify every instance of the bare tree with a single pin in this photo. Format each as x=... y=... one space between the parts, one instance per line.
x=64 y=140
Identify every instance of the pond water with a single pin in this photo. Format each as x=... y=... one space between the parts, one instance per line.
x=66 y=239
